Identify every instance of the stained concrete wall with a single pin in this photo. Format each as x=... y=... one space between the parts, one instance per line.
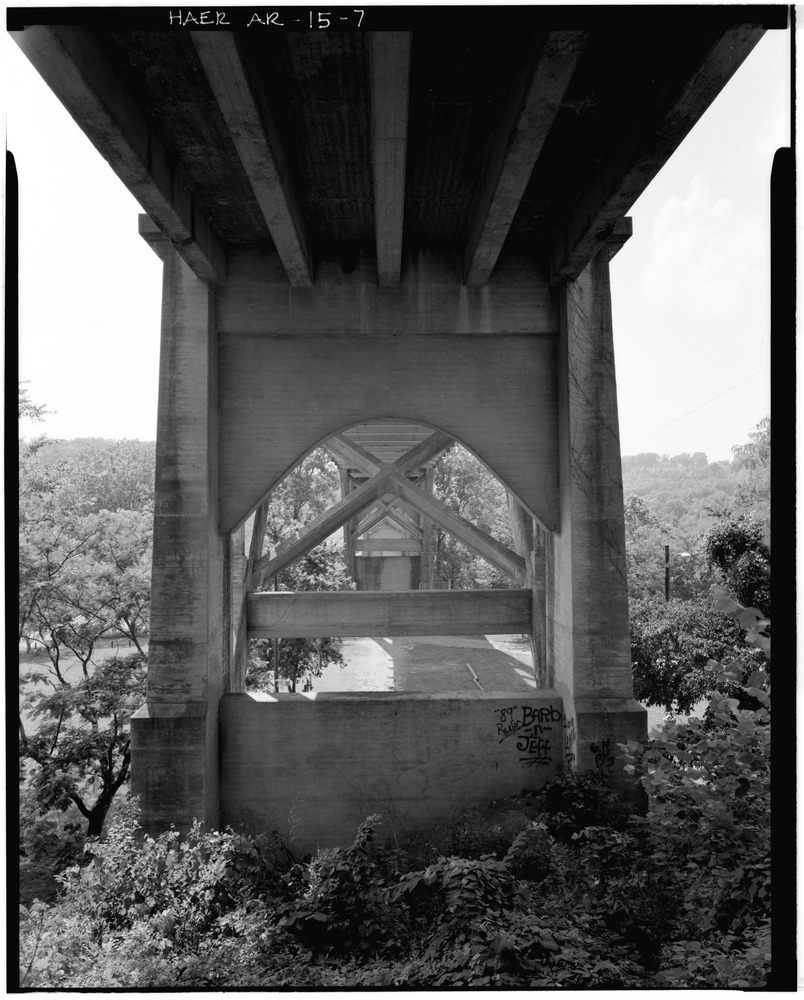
x=589 y=653
x=299 y=365
x=387 y=572
x=317 y=765
x=174 y=737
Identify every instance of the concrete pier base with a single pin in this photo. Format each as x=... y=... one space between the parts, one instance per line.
x=312 y=767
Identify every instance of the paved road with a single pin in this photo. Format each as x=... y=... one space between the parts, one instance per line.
x=432 y=663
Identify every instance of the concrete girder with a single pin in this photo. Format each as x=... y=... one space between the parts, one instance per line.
x=88 y=85
x=390 y=88
x=524 y=126
x=635 y=157
x=259 y=144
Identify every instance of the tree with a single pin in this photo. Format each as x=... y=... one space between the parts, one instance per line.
x=672 y=644
x=737 y=551
x=646 y=535
x=81 y=747
x=466 y=487
x=755 y=454
x=298 y=661
x=116 y=475
x=84 y=561
x=306 y=492
x=738 y=546
x=82 y=575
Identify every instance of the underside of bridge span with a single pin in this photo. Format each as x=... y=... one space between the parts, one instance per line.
x=361 y=227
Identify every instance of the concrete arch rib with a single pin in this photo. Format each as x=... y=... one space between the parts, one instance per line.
x=281 y=397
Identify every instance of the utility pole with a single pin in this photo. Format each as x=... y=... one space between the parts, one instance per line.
x=666 y=574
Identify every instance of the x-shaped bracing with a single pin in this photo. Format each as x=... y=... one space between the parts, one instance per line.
x=390 y=480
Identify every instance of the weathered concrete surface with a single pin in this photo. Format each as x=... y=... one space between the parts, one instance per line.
x=175 y=736
x=587 y=595
x=314 y=766
x=478 y=364
x=387 y=572
x=360 y=613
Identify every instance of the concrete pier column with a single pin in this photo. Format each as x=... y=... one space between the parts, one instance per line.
x=175 y=735
x=589 y=655
x=426 y=564
x=349 y=526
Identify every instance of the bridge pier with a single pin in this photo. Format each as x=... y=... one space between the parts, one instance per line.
x=559 y=403
x=589 y=658
x=174 y=735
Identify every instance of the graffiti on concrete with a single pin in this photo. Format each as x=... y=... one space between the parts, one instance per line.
x=569 y=741
x=603 y=754
x=530 y=727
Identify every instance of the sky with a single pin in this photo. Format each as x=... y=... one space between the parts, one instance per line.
x=690 y=289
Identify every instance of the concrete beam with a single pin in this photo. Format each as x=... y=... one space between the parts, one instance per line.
x=422 y=453
x=390 y=91
x=321 y=528
x=259 y=144
x=367 y=613
x=88 y=85
x=387 y=512
x=620 y=235
x=363 y=461
x=525 y=123
x=353 y=455
x=404 y=546
x=631 y=164
x=510 y=423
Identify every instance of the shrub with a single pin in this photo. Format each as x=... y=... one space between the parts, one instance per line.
x=340 y=901
x=708 y=783
x=150 y=900
x=577 y=799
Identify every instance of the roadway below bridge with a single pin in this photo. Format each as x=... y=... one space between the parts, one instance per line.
x=432 y=664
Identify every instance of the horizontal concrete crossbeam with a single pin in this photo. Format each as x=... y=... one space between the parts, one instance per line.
x=427 y=612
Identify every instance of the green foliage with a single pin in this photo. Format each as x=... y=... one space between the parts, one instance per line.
x=85 y=516
x=676 y=898
x=49 y=842
x=579 y=799
x=672 y=644
x=142 y=912
x=298 y=661
x=303 y=495
x=756 y=452
x=307 y=491
x=80 y=748
x=468 y=489
x=677 y=500
x=340 y=903
x=737 y=550
x=708 y=825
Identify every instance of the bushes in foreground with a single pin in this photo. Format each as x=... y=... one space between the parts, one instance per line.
x=563 y=888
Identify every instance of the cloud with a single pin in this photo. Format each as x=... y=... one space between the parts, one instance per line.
x=706 y=256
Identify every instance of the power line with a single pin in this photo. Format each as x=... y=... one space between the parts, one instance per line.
x=708 y=401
